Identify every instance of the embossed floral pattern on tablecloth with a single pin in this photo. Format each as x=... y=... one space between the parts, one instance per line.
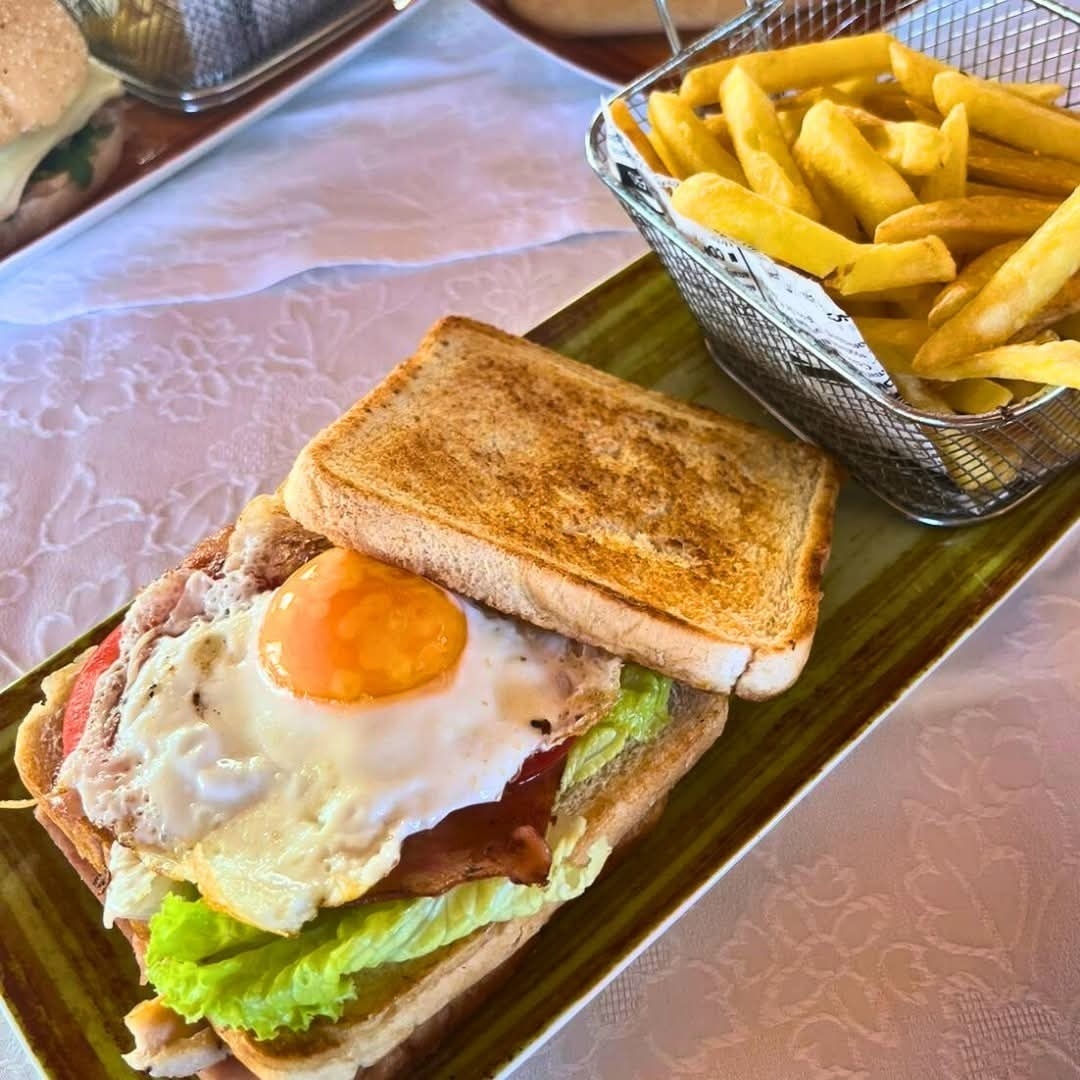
x=914 y=917
x=125 y=437
x=375 y=165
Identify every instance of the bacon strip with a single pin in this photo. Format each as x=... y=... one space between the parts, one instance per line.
x=499 y=839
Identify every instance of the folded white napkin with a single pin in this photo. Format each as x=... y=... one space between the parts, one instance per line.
x=451 y=101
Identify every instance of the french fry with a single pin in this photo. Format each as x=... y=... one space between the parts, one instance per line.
x=974 y=396
x=1048 y=176
x=920 y=393
x=872 y=188
x=1056 y=363
x=803 y=99
x=970 y=281
x=950 y=181
x=968 y=226
x=1022 y=287
x=860 y=307
x=899 y=339
x=761 y=147
x=780 y=233
x=625 y=122
x=1040 y=337
x=973 y=465
x=979 y=144
x=918 y=301
x=1009 y=118
x=663 y=152
x=895 y=341
x=790 y=121
x=973 y=188
x=915 y=71
x=858 y=87
x=1064 y=305
x=718 y=126
x=901 y=296
x=794 y=68
x=1022 y=389
x=877 y=267
x=923 y=113
x=908 y=146
x=891 y=103
x=1069 y=328
x=692 y=148
x=1043 y=93
x=835 y=213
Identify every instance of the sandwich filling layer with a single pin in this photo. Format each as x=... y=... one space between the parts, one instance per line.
x=21 y=158
x=314 y=764
x=206 y=965
x=275 y=747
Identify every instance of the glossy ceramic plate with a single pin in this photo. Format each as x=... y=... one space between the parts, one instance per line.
x=898 y=597
x=162 y=141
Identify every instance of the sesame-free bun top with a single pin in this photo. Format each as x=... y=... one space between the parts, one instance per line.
x=43 y=64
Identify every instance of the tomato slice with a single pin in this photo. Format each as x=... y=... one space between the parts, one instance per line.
x=77 y=710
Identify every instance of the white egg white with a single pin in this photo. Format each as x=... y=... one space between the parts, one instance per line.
x=275 y=805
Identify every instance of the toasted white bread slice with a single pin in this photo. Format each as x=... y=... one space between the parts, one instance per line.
x=663 y=532
x=401 y=1010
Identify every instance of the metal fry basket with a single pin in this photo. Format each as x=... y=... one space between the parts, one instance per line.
x=194 y=54
x=942 y=470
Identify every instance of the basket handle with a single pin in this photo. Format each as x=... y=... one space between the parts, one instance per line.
x=671 y=32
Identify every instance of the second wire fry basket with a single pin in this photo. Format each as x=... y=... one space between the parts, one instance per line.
x=942 y=470
x=196 y=54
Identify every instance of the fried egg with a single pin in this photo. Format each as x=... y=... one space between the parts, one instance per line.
x=278 y=756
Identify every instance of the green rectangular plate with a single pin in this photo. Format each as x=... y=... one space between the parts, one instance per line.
x=898 y=597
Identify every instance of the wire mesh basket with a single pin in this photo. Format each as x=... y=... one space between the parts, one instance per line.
x=942 y=470
x=193 y=54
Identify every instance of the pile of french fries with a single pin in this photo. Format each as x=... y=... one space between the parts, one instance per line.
x=941 y=211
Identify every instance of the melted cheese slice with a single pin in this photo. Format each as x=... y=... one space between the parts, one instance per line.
x=20 y=158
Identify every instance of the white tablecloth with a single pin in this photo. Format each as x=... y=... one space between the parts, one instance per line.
x=914 y=917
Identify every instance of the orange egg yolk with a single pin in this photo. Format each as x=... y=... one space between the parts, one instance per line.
x=345 y=627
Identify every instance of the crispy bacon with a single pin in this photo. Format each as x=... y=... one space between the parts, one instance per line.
x=500 y=839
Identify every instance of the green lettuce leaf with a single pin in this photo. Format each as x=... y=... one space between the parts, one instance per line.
x=73 y=156
x=207 y=964
x=639 y=714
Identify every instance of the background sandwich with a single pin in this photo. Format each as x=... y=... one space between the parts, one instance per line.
x=61 y=124
x=328 y=791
